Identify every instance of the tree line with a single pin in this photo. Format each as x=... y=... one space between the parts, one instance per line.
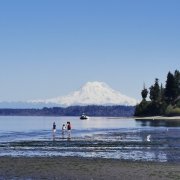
x=162 y=100
x=91 y=110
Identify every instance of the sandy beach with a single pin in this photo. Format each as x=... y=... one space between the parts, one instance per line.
x=84 y=168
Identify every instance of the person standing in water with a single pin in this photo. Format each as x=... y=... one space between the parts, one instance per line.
x=54 y=130
x=63 y=130
x=69 y=129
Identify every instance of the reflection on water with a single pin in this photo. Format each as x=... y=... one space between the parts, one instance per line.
x=159 y=123
x=97 y=137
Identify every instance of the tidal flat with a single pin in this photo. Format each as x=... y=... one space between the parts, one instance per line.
x=70 y=168
x=99 y=148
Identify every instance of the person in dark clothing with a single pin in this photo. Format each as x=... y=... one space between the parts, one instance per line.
x=54 y=130
x=69 y=129
x=54 y=127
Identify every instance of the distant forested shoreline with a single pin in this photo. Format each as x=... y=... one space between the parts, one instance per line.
x=163 y=100
x=91 y=110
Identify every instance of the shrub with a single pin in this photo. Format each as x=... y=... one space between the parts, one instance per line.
x=172 y=111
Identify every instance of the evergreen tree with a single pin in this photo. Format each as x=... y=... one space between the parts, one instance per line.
x=177 y=83
x=144 y=93
x=164 y=101
x=155 y=91
x=170 y=90
x=162 y=98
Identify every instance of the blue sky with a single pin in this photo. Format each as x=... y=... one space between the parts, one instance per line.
x=50 y=48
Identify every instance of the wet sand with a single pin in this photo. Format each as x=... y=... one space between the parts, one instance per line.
x=70 y=168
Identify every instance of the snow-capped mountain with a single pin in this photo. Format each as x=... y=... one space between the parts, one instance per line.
x=92 y=93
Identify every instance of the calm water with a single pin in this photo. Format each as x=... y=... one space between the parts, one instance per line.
x=118 y=138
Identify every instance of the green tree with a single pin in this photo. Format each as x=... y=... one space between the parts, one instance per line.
x=177 y=83
x=162 y=98
x=144 y=93
x=164 y=101
x=155 y=91
x=170 y=90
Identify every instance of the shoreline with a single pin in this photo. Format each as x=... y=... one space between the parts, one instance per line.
x=158 y=118
x=84 y=168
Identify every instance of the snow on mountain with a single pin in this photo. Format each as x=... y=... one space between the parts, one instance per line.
x=92 y=93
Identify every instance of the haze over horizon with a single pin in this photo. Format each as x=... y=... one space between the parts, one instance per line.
x=49 y=49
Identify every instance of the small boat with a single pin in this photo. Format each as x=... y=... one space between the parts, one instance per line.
x=83 y=116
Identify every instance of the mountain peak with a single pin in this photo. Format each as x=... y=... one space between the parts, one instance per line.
x=95 y=87
x=95 y=83
x=92 y=93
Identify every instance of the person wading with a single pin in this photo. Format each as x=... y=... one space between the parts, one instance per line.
x=69 y=129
